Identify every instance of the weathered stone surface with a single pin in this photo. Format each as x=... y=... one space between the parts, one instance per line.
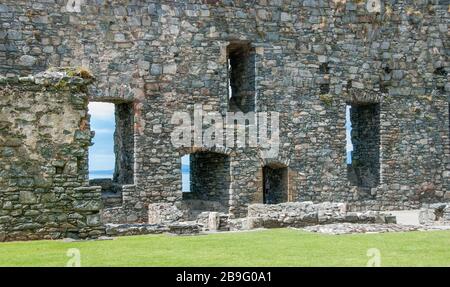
x=213 y=221
x=297 y=214
x=170 y=55
x=42 y=178
x=239 y=224
x=184 y=228
x=134 y=229
x=435 y=214
x=27 y=197
x=27 y=60
x=177 y=53
x=163 y=213
x=348 y=228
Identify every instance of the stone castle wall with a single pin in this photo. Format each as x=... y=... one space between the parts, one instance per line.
x=44 y=138
x=311 y=58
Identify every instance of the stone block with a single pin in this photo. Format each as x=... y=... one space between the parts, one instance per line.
x=163 y=213
x=426 y=216
x=93 y=220
x=27 y=197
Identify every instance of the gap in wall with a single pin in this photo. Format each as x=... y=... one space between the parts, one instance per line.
x=101 y=153
x=112 y=154
x=241 y=77
x=209 y=183
x=275 y=184
x=363 y=168
x=185 y=173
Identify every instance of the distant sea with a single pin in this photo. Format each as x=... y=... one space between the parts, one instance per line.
x=101 y=174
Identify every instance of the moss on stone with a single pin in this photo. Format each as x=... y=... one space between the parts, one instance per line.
x=326 y=99
x=81 y=72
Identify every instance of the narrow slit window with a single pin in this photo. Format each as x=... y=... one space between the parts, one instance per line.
x=363 y=144
x=185 y=173
x=241 y=77
x=348 y=133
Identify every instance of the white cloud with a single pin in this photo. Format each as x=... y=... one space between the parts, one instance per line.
x=349 y=141
x=348 y=128
x=185 y=160
x=102 y=111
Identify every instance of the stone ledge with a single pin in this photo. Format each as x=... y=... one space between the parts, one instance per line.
x=300 y=214
x=57 y=77
x=435 y=214
x=94 y=188
x=351 y=228
x=182 y=228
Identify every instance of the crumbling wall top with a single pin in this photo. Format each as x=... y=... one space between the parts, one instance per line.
x=58 y=78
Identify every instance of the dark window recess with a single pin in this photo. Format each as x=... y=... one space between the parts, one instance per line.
x=324 y=89
x=324 y=68
x=364 y=166
x=241 y=73
x=209 y=182
x=275 y=184
x=440 y=71
x=384 y=87
x=349 y=84
x=59 y=169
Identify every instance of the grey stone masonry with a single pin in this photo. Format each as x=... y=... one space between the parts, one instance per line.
x=299 y=214
x=306 y=60
x=44 y=136
x=435 y=214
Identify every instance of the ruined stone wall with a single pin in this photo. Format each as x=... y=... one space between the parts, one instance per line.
x=44 y=139
x=311 y=59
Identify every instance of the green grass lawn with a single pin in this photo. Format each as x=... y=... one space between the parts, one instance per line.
x=276 y=247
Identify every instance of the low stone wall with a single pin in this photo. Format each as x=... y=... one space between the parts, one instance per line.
x=134 y=229
x=351 y=228
x=111 y=191
x=214 y=221
x=141 y=229
x=163 y=213
x=192 y=208
x=292 y=214
x=435 y=214
x=119 y=215
x=128 y=212
x=300 y=214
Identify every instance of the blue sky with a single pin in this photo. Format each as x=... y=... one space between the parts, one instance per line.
x=185 y=173
x=101 y=154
